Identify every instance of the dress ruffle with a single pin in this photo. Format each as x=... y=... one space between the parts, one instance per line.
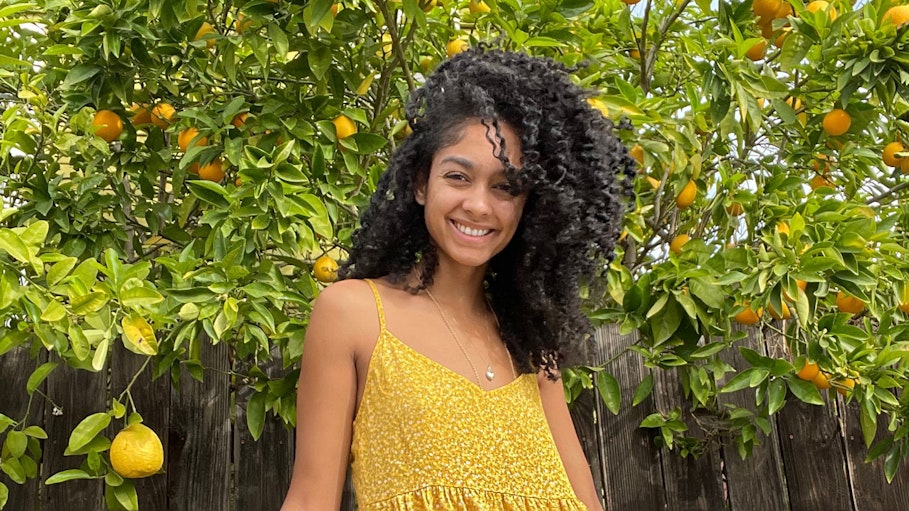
x=435 y=498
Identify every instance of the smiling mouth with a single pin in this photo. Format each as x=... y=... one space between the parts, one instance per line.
x=475 y=233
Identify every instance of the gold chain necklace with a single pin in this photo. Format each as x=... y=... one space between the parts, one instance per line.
x=490 y=374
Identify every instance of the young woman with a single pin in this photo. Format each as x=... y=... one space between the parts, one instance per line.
x=432 y=369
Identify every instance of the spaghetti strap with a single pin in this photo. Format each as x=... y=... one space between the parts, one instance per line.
x=381 y=311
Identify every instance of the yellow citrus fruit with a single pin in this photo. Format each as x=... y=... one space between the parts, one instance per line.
x=808 y=371
x=478 y=7
x=837 y=122
x=766 y=26
x=849 y=304
x=766 y=7
x=325 y=269
x=136 y=452
x=898 y=15
x=427 y=5
x=890 y=151
x=456 y=46
x=630 y=2
x=107 y=125
x=784 y=10
x=821 y=5
x=141 y=114
x=637 y=152
x=735 y=209
x=185 y=139
x=782 y=228
x=904 y=165
x=818 y=159
x=212 y=171
x=686 y=197
x=757 y=51
x=344 y=127
x=678 y=242
x=904 y=306
x=387 y=46
x=239 y=120
x=821 y=381
x=426 y=63
x=748 y=316
x=204 y=30
x=796 y=105
x=163 y=114
x=654 y=182
x=786 y=314
x=635 y=54
x=844 y=386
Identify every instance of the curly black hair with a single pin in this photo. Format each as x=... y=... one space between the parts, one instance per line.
x=577 y=175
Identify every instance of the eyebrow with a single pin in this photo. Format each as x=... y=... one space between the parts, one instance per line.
x=460 y=160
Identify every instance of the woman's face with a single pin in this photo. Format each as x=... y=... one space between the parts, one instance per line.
x=469 y=212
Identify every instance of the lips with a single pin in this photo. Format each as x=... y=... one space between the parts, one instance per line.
x=470 y=231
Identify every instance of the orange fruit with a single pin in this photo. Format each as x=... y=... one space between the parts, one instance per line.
x=784 y=10
x=756 y=52
x=821 y=381
x=748 y=316
x=186 y=138
x=766 y=8
x=478 y=7
x=735 y=209
x=686 y=197
x=898 y=15
x=849 y=304
x=239 y=120
x=456 y=46
x=821 y=5
x=212 y=171
x=107 y=125
x=635 y=54
x=796 y=103
x=630 y=2
x=837 y=122
x=808 y=371
x=904 y=306
x=136 y=452
x=904 y=165
x=203 y=31
x=678 y=242
x=141 y=115
x=766 y=26
x=242 y=24
x=845 y=386
x=334 y=9
x=890 y=151
x=344 y=127
x=801 y=284
x=816 y=162
x=325 y=269
x=193 y=168
x=162 y=115
x=637 y=152
x=819 y=181
x=786 y=314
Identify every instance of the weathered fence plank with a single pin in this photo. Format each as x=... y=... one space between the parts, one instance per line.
x=152 y=401
x=263 y=467
x=757 y=483
x=870 y=490
x=78 y=394
x=15 y=368
x=200 y=439
x=629 y=463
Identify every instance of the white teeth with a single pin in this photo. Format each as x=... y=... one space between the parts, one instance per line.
x=472 y=232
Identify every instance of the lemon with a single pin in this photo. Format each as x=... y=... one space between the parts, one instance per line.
x=136 y=452
x=344 y=127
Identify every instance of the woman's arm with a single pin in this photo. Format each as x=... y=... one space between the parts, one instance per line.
x=566 y=440
x=326 y=396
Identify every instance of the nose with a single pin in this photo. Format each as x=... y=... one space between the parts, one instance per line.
x=477 y=201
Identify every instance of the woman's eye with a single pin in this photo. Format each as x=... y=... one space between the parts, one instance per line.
x=455 y=176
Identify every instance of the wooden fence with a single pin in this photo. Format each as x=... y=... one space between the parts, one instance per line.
x=813 y=458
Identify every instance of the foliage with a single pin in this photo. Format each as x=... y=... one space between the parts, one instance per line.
x=103 y=243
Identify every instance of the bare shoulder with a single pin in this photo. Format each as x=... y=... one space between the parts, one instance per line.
x=346 y=312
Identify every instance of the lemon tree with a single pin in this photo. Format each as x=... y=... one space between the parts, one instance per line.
x=178 y=173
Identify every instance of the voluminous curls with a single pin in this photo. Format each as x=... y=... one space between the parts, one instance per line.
x=575 y=171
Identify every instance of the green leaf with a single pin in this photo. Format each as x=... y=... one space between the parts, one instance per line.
x=60 y=269
x=13 y=245
x=210 y=192
x=654 y=420
x=35 y=432
x=868 y=420
x=53 y=312
x=138 y=336
x=86 y=304
x=87 y=430
x=79 y=342
x=101 y=354
x=777 y=395
x=805 y=391
x=666 y=324
x=643 y=390
x=5 y=422
x=255 y=414
x=4 y=491
x=15 y=443
x=741 y=380
x=610 y=392
x=79 y=74
x=126 y=496
x=68 y=475
x=38 y=376
x=140 y=297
